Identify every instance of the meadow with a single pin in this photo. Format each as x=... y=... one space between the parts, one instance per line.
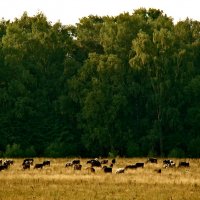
x=55 y=182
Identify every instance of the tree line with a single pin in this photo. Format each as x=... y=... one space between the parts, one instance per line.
x=127 y=85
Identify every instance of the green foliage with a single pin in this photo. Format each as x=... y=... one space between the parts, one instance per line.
x=193 y=148
x=30 y=152
x=54 y=150
x=176 y=153
x=110 y=86
x=133 y=149
x=13 y=151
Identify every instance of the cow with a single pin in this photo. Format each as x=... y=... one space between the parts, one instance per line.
x=168 y=163
x=183 y=164
x=46 y=162
x=68 y=164
x=4 y=166
x=90 y=169
x=113 y=161
x=26 y=165
x=8 y=162
x=120 y=170
x=77 y=167
x=95 y=163
x=1 y=162
x=131 y=167
x=30 y=160
x=152 y=160
x=90 y=161
x=38 y=166
x=139 y=165
x=76 y=162
x=107 y=169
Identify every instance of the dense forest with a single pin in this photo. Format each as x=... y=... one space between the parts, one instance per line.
x=127 y=85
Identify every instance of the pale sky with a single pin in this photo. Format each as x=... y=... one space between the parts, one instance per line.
x=70 y=11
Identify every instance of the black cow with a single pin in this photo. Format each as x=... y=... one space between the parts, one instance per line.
x=131 y=167
x=95 y=163
x=183 y=164
x=89 y=161
x=113 y=161
x=139 y=165
x=46 y=162
x=38 y=166
x=76 y=162
x=107 y=169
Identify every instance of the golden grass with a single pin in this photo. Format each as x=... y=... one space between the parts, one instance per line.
x=57 y=182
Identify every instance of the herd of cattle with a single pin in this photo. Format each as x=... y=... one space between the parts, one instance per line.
x=105 y=164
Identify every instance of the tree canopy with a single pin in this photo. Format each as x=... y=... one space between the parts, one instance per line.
x=127 y=85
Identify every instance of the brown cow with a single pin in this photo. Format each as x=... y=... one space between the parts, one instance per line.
x=77 y=167
x=90 y=169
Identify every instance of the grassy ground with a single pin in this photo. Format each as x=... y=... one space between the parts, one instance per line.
x=57 y=182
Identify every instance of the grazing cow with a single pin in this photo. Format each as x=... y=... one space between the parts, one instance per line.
x=168 y=163
x=76 y=162
x=152 y=160
x=183 y=164
x=8 y=162
x=30 y=160
x=38 y=166
x=104 y=161
x=26 y=165
x=77 y=167
x=107 y=169
x=120 y=170
x=131 y=167
x=90 y=169
x=95 y=163
x=139 y=165
x=69 y=164
x=4 y=166
x=46 y=162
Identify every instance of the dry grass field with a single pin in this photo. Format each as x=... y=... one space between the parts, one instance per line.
x=56 y=182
